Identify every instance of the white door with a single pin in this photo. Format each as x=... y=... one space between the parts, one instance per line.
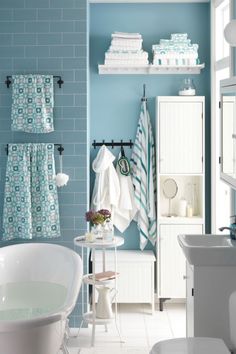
x=181 y=143
x=221 y=68
x=172 y=263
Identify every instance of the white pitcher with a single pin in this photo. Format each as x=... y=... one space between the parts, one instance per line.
x=104 y=304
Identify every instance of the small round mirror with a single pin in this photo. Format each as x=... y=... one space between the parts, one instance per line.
x=170 y=189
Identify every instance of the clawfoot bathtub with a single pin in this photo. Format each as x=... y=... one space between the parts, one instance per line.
x=39 y=286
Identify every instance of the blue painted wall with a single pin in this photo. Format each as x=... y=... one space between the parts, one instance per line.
x=115 y=100
x=49 y=36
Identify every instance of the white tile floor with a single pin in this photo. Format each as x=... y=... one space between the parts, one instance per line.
x=139 y=329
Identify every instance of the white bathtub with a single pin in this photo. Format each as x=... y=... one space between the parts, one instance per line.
x=39 y=286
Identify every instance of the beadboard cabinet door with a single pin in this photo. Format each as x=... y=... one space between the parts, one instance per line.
x=172 y=262
x=181 y=136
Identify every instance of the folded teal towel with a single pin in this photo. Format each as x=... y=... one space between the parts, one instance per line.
x=32 y=103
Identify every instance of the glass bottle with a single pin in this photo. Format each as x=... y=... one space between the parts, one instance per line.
x=195 y=200
x=107 y=230
x=187 y=88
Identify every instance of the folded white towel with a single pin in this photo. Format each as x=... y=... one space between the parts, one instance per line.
x=126 y=35
x=126 y=41
x=122 y=51
x=125 y=48
x=128 y=62
x=127 y=55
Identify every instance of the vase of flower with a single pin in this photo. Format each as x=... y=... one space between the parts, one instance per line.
x=100 y=222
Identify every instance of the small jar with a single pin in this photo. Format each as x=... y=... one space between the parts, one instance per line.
x=182 y=207
x=189 y=211
x=89 y=237
x=187 y=88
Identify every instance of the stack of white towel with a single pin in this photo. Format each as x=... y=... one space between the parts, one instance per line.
x=126 y=50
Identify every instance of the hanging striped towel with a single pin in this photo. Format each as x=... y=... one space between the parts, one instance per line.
x=143 y=164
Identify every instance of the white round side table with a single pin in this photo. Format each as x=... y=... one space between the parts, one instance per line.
x=99 y=244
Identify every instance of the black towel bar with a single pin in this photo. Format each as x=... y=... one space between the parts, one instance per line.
x=60 y=148
x=59 y=81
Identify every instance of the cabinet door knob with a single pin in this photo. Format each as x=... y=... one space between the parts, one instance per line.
x=185 y=277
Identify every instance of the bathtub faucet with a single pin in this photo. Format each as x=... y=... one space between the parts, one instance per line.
x=232 y=231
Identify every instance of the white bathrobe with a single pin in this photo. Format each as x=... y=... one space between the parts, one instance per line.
x=106 y=192
x=126 y=210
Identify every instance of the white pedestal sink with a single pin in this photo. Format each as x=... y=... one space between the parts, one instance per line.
x=211 y=278
x=208 y=250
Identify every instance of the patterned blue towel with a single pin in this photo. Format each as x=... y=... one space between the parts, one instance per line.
x=30 y=202
x=32 y=103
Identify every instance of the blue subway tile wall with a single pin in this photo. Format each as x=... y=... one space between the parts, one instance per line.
x=49 y=36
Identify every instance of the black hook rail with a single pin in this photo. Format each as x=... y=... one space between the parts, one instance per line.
x=60 y=82
x=113 y=143
x=60 y=148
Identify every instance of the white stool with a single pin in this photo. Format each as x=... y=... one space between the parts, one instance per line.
x=198 y=345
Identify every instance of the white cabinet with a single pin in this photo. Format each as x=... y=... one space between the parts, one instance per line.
x=208 y=292
x=181 y=135
x=172 y=274
x=180 y=156
x=136 y=275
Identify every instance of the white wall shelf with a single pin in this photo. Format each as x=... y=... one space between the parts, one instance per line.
x=149 y=70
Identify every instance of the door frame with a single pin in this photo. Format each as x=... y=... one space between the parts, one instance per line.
x=214 y=164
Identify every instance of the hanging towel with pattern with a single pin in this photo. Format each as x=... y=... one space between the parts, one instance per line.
x=30 y=202
x=143 y=165
x=32 y=103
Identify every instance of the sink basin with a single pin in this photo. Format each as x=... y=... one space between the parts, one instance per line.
x=208 y=250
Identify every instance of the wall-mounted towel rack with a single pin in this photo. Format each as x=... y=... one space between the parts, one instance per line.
x=113 y=143
x=60 y=148
x=59 y=81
